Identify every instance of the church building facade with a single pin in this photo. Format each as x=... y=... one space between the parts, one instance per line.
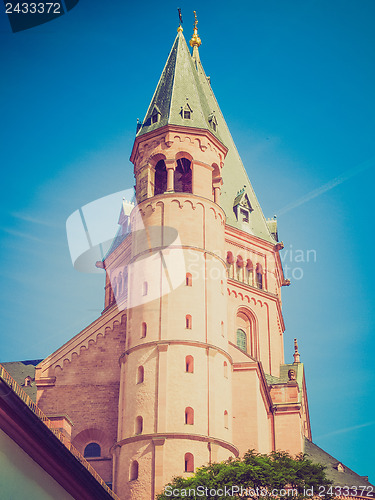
x=185 y=365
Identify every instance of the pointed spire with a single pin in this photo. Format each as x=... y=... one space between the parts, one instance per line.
x=195 y=41
x=179 y=90
x=296 y=354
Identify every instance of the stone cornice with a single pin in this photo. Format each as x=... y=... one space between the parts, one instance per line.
x=191 y=343
x=180 y=129
x=91 y=333
x=176 y=435
x=233 y=284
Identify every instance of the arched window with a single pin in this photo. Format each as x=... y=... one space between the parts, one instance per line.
x=183 y=176
x=239 y=268
x=140 y=374
x=143 y=330
x=189 y=279
x=138 y=425
x=160 y=178
x=189 y=462
x=246 y=332
x=226 y=419
x=134 y=470
x=230 y=262
x=188 y=321
x=259 y=276
x=92 y=450
x=189 y=416
x=249 y=272
x=216 y=182
x=241 y=340
x=189 y=364
x=225 y=369
x=222 y=329
x=145 y=288
x=240 y=262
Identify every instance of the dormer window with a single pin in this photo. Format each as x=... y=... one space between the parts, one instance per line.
x=186 y=112
x=212 y=121
x=244 y=215
x=242 y=207
x=155 y=115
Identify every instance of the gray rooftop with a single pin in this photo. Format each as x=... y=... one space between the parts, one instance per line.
x=334 y=472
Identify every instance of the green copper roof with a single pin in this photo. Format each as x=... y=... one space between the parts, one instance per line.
x=183 y=82
x=178 y=88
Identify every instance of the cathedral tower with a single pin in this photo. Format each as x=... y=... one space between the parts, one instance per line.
x=175 y=376
x=190 y=342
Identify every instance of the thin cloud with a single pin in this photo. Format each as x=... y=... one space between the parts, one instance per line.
x=329 y=185
x=19 y=234
x=347 y=429
x=33 y=220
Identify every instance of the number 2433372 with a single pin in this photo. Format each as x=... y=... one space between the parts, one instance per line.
x=33 y=8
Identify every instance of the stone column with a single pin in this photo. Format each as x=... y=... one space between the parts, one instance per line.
x=159 y=465
x=170 y=166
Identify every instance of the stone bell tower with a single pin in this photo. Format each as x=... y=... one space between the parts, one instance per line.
x=176 y=345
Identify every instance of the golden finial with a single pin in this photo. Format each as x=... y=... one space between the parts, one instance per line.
x=195 y=40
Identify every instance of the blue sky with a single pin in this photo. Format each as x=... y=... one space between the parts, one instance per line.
x=295 y=80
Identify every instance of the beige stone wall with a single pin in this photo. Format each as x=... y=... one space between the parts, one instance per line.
x=138 y=399
x=141 y=488
x=265 y=444
x=288 y=434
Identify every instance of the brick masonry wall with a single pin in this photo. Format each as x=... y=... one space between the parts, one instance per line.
x=87 y=391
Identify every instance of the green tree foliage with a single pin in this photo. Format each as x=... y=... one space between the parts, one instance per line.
x=255 y=476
